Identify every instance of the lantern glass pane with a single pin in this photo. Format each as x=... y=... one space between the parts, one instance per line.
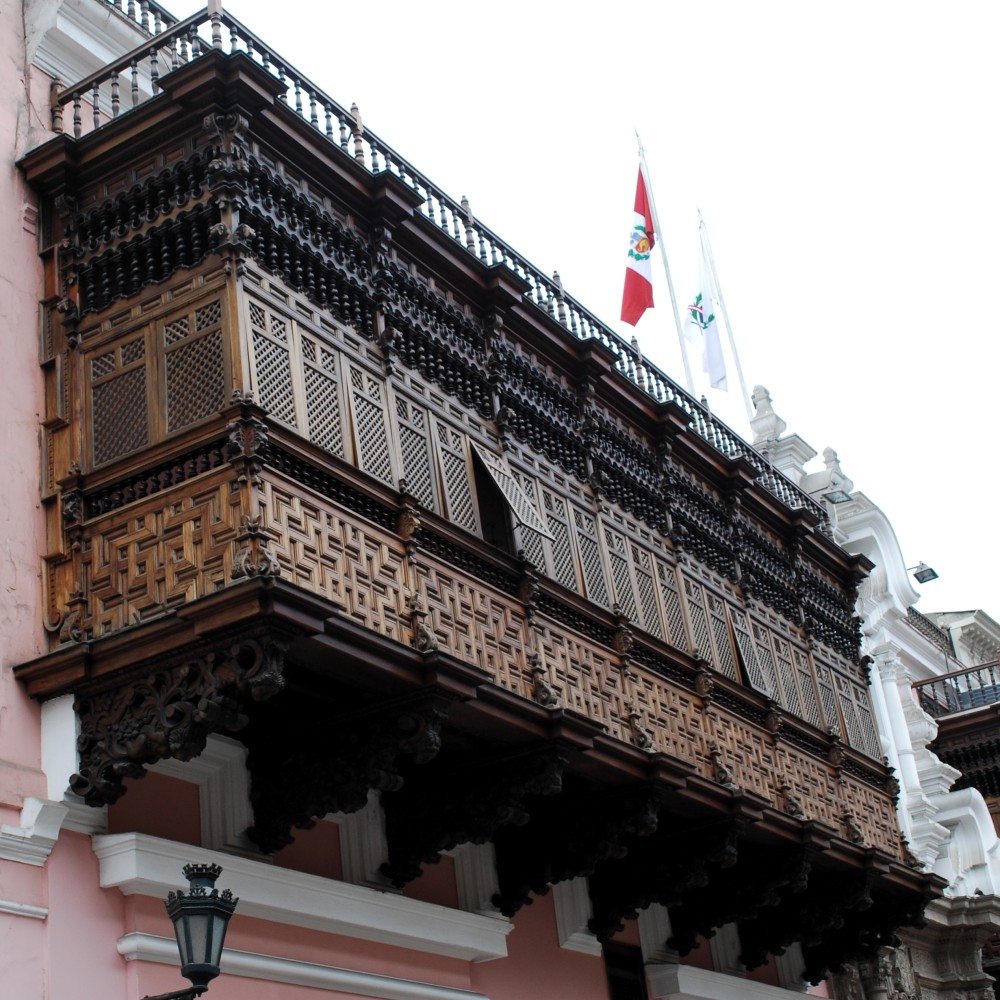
x=198 y=929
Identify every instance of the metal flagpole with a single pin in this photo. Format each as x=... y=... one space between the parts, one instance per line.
x=666 y=266
x=706 y=246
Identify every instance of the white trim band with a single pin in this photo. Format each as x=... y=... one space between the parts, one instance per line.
x=23 y=909
x=139 y=864
x=149 y=948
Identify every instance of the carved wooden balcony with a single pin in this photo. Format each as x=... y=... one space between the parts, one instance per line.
x=328 y=465
x=966 y=705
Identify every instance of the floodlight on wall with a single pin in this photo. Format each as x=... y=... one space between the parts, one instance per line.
x=922 y=573
x=837 y=496
x=200 y=919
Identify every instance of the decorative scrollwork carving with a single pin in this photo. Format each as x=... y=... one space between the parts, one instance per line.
x=254 y=558
x=543 y=692
x=723 y=774
x=169 y=712
x=247 y=441
x=424 y=639
x=334 y=763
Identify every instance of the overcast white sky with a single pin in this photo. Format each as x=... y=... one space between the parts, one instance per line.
x=846 y=160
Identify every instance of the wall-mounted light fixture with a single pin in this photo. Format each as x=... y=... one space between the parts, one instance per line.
x=922 y=573
x=837 y=496
x=200 y=919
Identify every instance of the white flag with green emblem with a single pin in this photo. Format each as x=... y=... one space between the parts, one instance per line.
x=703 y=328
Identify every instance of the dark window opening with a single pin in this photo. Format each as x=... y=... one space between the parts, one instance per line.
x=494 y=511
x=626 y=975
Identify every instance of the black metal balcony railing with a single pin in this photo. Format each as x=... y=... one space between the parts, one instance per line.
x=100 y=97
x=961 y=690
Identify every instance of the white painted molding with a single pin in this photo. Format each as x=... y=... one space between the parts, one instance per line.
x=654 y=930
x=791 y=966
x=220 y=772
x=476 y=878
x=71 y=39
x=725 y=947
x=363 y=847
x=139 y=864
x=148 y=948
x=23 y=909
x=60 y=760
x=573 y=910
x=32 y=841
x=59 y=754
x=685 y=982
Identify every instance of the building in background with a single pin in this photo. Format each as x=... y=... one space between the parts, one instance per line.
x=935 y=695
x=485 y=661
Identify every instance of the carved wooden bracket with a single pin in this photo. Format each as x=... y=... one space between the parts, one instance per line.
x=464 y=803
x=331 y=763
x=169 y=711
x=570 y=835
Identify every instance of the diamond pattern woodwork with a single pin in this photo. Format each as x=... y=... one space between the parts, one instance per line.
x=176 y=547
x=479 y=627
x=354 y=566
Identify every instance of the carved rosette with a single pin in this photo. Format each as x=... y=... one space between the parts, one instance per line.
x=169 y=712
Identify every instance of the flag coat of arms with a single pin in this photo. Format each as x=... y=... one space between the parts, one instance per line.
x=638 y=294
x=703 y=328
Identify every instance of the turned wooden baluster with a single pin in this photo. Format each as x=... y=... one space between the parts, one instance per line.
x=358 y=129
x=328 y=111
x=215 y=12
x=96 y=102
x=57 y=108
x=560 y=303
x=154 y=69
x=144 y=8
x=470 y=243
x=115 y=102
x=135 y=83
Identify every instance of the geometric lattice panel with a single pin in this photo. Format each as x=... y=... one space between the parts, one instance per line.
x=120 y=420
x=590 y=558
x=416 y=453
x=272 y=363
x=371 y=434
x=323 y=410
x=196 y=385
x=520 y=503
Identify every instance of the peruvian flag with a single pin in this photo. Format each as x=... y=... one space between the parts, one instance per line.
x=638 y=294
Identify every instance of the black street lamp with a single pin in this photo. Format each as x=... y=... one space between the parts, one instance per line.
x=200 y=919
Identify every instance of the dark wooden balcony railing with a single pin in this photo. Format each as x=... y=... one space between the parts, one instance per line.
x=960 y=691
x=117 y=88
x=148 y=15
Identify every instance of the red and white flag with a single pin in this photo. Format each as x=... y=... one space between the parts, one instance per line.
x=638 y=294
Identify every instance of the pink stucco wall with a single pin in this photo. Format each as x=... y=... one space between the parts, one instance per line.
x=535 y=958
x=21 y=525
x=23 y=938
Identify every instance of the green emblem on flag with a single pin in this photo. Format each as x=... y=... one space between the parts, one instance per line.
x=697 y=311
